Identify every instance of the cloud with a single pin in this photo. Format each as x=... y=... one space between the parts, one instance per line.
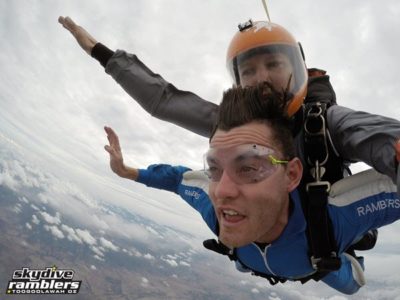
x=71 y=234
x=17 y=208
x=149 y=256
x=184 y=263
x=23 y=199
x=35 y=220
x=8 y=181
x=50 y=219
x=144 y=282
x=34 y=207
x=108 y=245
x=16 y=174
x=134 y=252
x=171 y=262
x=97 y=250
x=85 y=236
x=98 y=257
x=55 y=231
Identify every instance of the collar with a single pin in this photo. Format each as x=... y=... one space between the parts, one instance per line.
x=296 y=222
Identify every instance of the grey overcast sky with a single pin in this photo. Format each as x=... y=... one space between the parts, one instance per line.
x=55 y=99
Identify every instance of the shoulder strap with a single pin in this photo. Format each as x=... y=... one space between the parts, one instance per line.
x=315 y=191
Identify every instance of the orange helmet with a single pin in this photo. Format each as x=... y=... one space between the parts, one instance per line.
x=262 y=37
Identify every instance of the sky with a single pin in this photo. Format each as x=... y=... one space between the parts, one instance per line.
x=55 y=99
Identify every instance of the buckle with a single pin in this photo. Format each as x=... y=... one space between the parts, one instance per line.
x=314 y=262
x=245 y=25
x=314 y=124
x=326 y=264
x=317 y=184
x=316 y=113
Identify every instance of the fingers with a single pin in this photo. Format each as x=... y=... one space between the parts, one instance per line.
x=84 y=39
x=108 y=149
x=67 y=23
x=111 y=135
x=112 y=138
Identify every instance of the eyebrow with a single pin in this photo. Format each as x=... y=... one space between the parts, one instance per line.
x=242 y=156
x=212 y=160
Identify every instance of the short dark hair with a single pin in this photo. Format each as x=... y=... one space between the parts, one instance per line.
x=263 y=103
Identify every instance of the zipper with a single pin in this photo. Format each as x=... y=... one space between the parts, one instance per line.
x=264 y=256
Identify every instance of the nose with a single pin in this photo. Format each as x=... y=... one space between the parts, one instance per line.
x=262 y=74
x=226 y=188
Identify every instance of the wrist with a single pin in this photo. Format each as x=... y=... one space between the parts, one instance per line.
x=129 y=173
x=101 y=53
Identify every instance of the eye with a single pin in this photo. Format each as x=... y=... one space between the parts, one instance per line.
x=247 y=170
x=275 y=64
x=214 y=173
x=247 y=71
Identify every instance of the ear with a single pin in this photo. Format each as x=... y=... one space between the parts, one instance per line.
x=294 y=172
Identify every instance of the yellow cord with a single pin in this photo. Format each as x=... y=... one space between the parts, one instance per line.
x=276 y=161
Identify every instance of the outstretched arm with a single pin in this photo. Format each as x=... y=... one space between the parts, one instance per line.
x=366 y=137
x=156 y=95
x=116 y=159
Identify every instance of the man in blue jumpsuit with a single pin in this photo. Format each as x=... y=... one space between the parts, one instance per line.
x=250 y=200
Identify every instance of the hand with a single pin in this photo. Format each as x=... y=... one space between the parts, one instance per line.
x=397 y=147
x=114 y=149
x=84 y=39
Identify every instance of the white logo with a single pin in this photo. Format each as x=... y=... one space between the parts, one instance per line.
x=378 y=206
x=38 y=281
x=194 y=194
x=263 y=24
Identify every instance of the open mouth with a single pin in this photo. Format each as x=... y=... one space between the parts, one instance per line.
x=231 y=216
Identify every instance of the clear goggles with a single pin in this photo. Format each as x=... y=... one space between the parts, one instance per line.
x=244 y=164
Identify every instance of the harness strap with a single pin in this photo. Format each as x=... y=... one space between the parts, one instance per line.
x=219 y=247
x=320 y=232
x=322 y=244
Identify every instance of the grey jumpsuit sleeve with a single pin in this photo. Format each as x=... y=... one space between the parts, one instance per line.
x=159 y=97
x=361 y=136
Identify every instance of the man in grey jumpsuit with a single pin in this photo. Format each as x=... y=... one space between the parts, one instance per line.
x=356 y=136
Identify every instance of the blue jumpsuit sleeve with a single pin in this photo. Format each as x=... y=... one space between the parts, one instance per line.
x=358 y=203
x=193 y=189
x=361 y=202
x=343 y=280
x=162 y=176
